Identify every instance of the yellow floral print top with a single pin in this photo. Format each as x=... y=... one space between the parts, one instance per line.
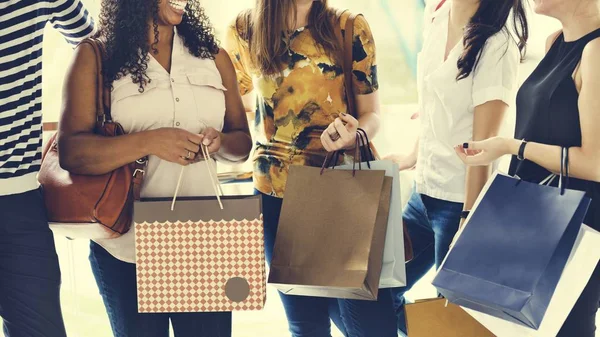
x=294 y=108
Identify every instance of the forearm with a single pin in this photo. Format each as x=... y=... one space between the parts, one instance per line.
x=91 y=154
x=235 y=147
x=582 y=165
x=413 y=155
x=476 y=178
x=370 y=122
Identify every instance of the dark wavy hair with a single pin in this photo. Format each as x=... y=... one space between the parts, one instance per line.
x=492 y=17
x=124 y=31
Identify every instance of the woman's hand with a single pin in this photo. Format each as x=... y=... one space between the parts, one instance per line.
x=485 y=152
x=341 y=134
x=404 y=161
x=174 y=145
x=211 y=138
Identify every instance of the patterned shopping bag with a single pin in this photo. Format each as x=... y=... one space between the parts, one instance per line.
x=205 y=255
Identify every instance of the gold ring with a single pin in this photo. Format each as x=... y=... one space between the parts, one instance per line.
x=189 y=155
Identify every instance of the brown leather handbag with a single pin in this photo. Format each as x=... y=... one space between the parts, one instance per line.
x=345 y=39
x=91 y=206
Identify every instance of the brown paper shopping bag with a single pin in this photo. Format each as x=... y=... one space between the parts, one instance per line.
x=331 y=233
x=432 y=318
x=206 y=254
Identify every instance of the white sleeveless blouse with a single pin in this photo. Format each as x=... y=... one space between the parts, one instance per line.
x=191 y=97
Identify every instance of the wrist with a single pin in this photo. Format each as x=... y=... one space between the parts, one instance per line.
x=512 y=146
x=143 y=141
x=352 y=144
x=223 y=138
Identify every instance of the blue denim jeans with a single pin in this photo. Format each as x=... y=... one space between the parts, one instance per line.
x=311 y=316
x=29 y=270
x=432 y=224
x=117 y=282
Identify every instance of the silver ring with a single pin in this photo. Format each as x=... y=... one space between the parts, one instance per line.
x=189 y=155
x=335 y=136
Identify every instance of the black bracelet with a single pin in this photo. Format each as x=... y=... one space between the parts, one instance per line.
x=521 y=154
x=464 y=214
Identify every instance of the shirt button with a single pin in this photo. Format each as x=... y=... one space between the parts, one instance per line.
x=172 y=80
x=177 y=124
x=177 y=99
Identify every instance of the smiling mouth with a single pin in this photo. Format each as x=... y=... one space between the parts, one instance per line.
x=178 y=5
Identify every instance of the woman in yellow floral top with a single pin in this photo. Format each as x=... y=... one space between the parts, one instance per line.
x=284 y=52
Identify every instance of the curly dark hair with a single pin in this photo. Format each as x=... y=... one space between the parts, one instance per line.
x=124 y=31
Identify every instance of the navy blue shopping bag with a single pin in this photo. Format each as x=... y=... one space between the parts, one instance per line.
x=513 y=249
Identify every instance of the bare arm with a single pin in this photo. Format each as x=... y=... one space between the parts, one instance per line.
x=84 y=152
x=236 y=142
x=367 y=108
x=487 y=120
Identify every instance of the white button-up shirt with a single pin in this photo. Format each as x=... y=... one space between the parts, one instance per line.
x=447 y=105
x=191 y=97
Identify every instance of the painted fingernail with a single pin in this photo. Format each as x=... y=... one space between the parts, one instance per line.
x=465 y=145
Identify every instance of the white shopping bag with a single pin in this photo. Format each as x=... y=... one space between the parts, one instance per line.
x=582 y=262
x=393 y=272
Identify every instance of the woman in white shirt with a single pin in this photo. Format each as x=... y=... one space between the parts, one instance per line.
x=172 y=90
x=467 y=78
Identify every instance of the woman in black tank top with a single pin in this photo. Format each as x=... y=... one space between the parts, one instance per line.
x=559 y=106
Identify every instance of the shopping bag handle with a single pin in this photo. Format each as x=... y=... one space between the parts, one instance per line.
x=332 y=158
x=362 y=151
x=563 y=182
x=212 y=175
x=367 y=152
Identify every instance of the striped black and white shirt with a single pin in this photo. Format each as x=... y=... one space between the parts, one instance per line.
x=22 y=25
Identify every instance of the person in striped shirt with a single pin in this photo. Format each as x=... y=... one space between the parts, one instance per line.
x=29 y=270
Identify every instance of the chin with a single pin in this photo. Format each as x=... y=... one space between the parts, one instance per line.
x=544 y=7
x=176 y=21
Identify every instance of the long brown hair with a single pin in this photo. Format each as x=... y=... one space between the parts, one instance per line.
x=268 y=31
x=491 y=17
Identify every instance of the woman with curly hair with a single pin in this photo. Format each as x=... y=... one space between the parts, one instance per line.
x=172 y=89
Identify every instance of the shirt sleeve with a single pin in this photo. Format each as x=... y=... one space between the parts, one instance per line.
x=72 y=20
x=496 y=74
x=237 y=48
x=364 y=65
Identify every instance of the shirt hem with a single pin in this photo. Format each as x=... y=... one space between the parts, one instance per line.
x=438 y=194
x=18 y=185
x=113 y=251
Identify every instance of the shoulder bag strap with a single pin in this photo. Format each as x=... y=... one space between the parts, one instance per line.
x=345 y=40
x=102 y=93
x=101 y=115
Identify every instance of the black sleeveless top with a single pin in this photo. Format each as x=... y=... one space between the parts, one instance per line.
x=548 y=113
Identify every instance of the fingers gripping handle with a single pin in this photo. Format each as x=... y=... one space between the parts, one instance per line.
x=212 y=175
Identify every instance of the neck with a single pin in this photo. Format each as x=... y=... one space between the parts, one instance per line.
x=584 y=20
x=461 y=12
x=165 y=34
x=302 y=10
